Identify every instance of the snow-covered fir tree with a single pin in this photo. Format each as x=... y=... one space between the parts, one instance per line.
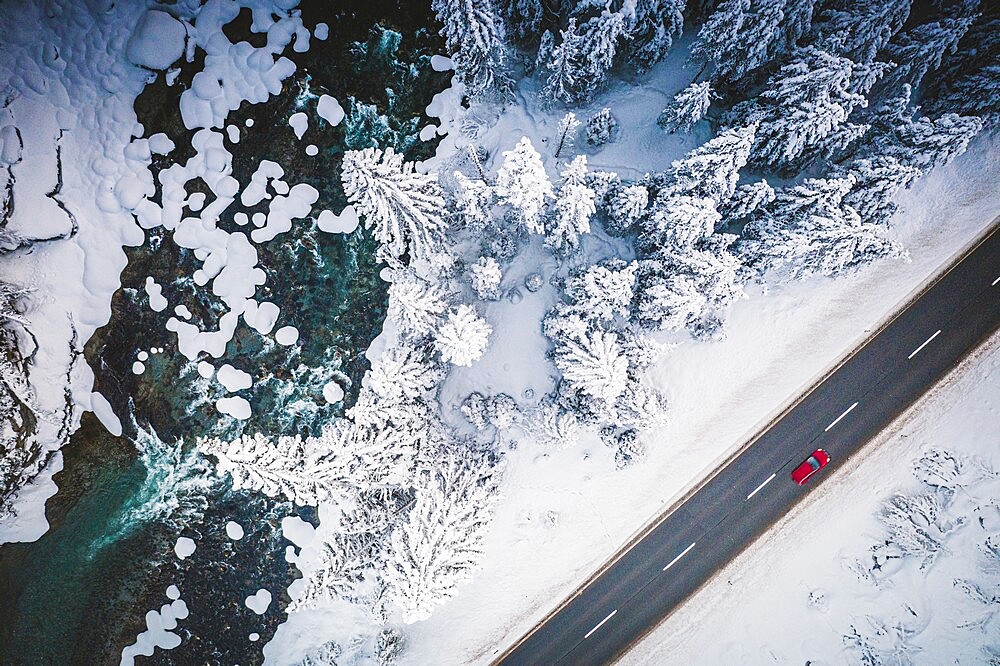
x=474 y=201
x=414 y=304
x=485 y=276
x=343 y=561
x=594 y=364
x=712 y=169
x=403 y=373
x=876 y=182
x=439 y=545
x=555 y=428
x=858 y=29
x=523 y=185
x=746 y=199
x=801 y=108
x=922 y=143
x=920 y=50
x=626 y=207
x=808 y=229
x=566 y=133
x=678 y=223
x=403 y=207
x=463 y=337
x=720 y=34
x=969 y=81
x=573 y=208
x=475 y=36
x=687 y=108
x=603 y=292
x=601 y=128
x=652 y=27
x=562 y=76
x=599 y=39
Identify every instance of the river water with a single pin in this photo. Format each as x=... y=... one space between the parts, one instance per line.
x=80 y=593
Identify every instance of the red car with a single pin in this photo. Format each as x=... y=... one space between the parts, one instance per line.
x=814 y=463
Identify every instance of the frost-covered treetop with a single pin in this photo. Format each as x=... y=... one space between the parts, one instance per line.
x=405 y=208
x=523 y=184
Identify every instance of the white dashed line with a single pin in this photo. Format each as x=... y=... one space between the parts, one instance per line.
x=757 y=489
x=610 y=615
x=926 y=342
x=837 y=420
x=683 y=553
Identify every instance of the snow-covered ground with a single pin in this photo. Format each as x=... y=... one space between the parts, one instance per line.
x=809 y=591
x=563 y=513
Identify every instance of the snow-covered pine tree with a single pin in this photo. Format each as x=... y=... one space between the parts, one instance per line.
x=858 y=29
x=808 y=229
x=474 y=201
x=687 y=108
x=594 y=364
x=414 y=304
x=462 y=339
x=562 y=84
x=573 y=208
x=677 y=223
x=602 y=292
x=626 y=207
x=599 y=38
x=388 y=646
x=801 y=108
x=341 y=564
x=877 y=180
x=922 y=143
x=485 y=276
x=758 y=41
x=652 y=26
x=969 y=81
x=524 y=18
x=440 y=544
x=690 y=290
x=403 y=374
x=523 y=185
x=566 y=133
x=747 y=199
x=601 y=127
x=546 y=48
x=403 y=207
x=555 y=428
x=712 y=169
x=475 y=36
x=720 y=33
x=920 y=50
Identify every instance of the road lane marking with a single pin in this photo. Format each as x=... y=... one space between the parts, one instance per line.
x=926 y=342
x=610 y=615
x=683 y=553
x=995 y=282
x=766 y=481
x=837 y=420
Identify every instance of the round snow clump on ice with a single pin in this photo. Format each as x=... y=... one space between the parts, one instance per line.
x=254 y=637
x=206 y=369
x=158 y=41
x=143 y=355
x=236 y=407
x=287 y=335
x=333 y=393
x=184 y=547
x=138 y=368
x=321 y=32
x=173 y=592
x=440 y=63
x=259 y=602
x=312 y=150
x=234 y=531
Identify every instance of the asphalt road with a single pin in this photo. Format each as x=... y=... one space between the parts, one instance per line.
x=722 y=517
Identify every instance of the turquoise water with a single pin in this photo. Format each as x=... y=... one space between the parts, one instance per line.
x=80 y=593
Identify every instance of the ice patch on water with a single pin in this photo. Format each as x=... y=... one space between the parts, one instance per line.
x=185 y=547
x=234 y=530
x=259 y=602
x=158 y=632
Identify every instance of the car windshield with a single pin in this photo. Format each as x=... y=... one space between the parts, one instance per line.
x=813 y=462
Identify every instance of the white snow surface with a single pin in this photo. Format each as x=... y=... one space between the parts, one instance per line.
x=332 y=223
x=809 y=554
